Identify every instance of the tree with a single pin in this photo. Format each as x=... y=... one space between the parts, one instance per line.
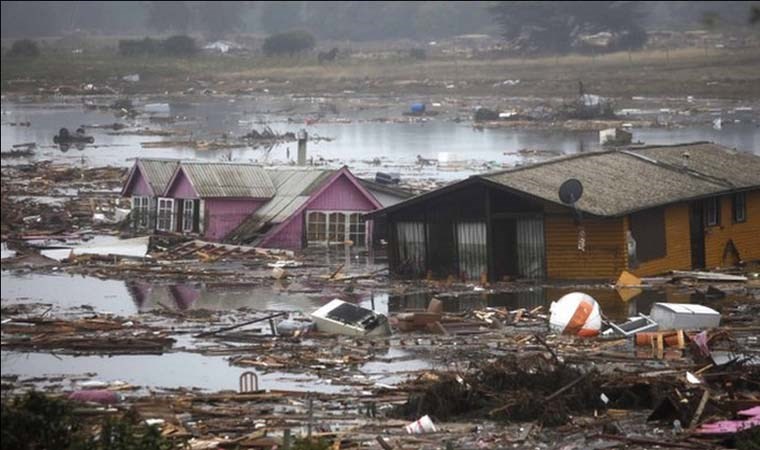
x=180 y=45
x=290 y=43
x=164 y=15
x=555 y=27
x=24 y=48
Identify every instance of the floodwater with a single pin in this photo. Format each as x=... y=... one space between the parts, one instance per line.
x=194 y=370
x=126 y=298
x=356 y=143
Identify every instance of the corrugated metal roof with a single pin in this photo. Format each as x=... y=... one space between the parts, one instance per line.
x=158 y=172
x=229 y=180
x=618 y=182
x=294 y=188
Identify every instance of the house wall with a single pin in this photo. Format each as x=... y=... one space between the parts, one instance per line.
x=221 y=216
x=745 y=235
x=340 y=195
x=290 y=236
x=677 y=243
x=181 y=188
x=605 y=256
x=139 y=185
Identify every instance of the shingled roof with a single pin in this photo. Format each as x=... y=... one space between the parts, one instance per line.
x=622 y=181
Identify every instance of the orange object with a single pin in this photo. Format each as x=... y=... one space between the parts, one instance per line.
x=575 y=325
x=669 y=338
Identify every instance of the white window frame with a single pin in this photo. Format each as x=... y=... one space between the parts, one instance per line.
x=141 y=207
x=160 y=209
x=739 y=207
x=185 y=209
x=712 y=212
x=363 y=223
x=346 y=223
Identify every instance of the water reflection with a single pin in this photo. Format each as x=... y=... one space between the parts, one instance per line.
x=65 y=147
x=131 y=297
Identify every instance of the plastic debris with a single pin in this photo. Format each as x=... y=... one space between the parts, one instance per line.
x=423 y=425
x=576 y=313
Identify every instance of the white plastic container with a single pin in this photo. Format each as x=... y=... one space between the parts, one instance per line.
x=423 y=425
x=682 y=316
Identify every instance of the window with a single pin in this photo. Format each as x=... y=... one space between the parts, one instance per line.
x=740 y=207
x=471 y=248
x=187 y=216
x=336 y=226
x=411 y=247
x=141 y=210
x=712 y=211
x=316 y=227
x=648 y=233
x=357 y=231
x=165 y=214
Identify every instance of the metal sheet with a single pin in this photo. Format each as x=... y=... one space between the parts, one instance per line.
x=158 y=172
x=229 y=180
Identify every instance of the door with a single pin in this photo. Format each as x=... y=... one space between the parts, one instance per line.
x=697 y=235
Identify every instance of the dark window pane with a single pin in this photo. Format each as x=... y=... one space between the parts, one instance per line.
x=648 y=230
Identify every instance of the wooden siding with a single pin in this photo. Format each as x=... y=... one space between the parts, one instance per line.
x=605 y=254
x=224 y=215
x=138 y=185
x=745 y=235
x=181 y=187
x=290 y=236
x=678 y=248
x=340 y=195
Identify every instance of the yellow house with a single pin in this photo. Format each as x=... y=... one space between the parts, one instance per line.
x=646 y=209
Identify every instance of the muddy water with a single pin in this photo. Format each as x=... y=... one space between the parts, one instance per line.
x=356 y=143
x=188 y=370
x=131 y=297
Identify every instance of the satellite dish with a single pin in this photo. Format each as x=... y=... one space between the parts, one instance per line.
x=570 y=191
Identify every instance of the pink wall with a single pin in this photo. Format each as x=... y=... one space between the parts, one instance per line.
x=290 y=236
x=139 y=185
x=224 y=215
x=181 y=187
x=341 y=195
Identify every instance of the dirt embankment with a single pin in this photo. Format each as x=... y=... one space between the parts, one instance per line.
x=717 y=73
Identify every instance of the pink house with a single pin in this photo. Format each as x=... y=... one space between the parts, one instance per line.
x=146 y=181
x=246 y=204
